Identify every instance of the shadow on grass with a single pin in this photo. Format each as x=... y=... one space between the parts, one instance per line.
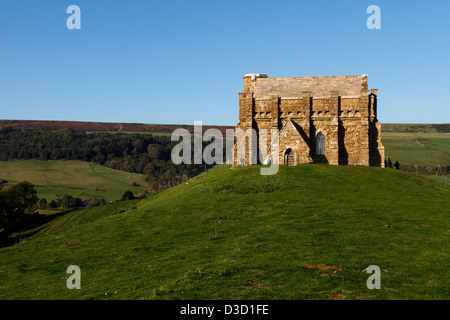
x=28 y=228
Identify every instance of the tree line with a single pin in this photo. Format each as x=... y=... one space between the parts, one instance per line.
x=17 y=204
x=138 y=153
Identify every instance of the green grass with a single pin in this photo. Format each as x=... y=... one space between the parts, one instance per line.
x=77 y=178
x=308 y=232
x=423 y=149
x=442 y=179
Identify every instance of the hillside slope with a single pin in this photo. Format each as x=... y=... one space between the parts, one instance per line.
x=77 y=178
x=308 y=232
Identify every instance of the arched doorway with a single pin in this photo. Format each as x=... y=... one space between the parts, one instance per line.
x=289 y=157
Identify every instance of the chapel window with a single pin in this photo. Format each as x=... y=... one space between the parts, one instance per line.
x=320 y=144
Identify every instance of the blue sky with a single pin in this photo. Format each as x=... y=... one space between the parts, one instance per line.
x=174 y=62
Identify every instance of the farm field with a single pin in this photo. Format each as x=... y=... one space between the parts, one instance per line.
x=77 y=178
x=418 y=145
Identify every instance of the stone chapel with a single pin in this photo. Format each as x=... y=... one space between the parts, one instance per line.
x=330 y=119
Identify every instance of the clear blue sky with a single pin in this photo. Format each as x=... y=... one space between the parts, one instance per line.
x=181 y=61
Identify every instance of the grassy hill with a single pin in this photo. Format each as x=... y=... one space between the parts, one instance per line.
x=77 y=178
x=308 y=232
x=417 y=144
x=423 y=149
x=415 y=127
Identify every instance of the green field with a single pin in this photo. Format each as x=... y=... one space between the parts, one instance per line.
x=308 y=232
x=418 y=144
x=77 y=178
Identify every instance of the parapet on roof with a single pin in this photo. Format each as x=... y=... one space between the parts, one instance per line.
x=348 y=86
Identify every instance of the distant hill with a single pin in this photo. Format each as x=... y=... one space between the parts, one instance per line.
x=308 y=232
x=168 y=128
x=410 y=144
x=417 y=127
x=417 y=144
x=103 y=126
